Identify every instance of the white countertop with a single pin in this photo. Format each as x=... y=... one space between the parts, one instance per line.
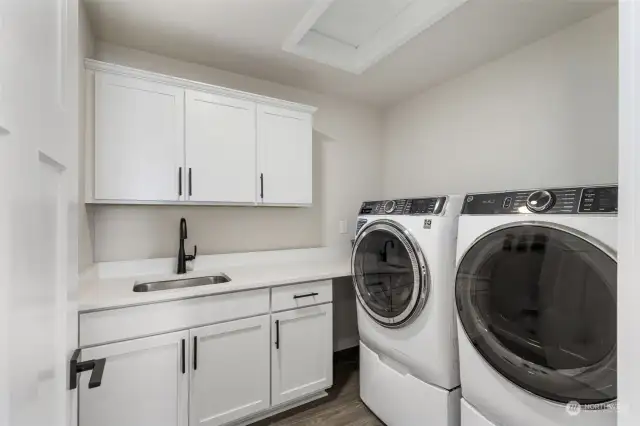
x=109 y=286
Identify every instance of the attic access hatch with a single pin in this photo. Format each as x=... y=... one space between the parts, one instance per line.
x=355 y=34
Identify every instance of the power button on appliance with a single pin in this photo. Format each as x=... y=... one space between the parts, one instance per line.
x=506 y=203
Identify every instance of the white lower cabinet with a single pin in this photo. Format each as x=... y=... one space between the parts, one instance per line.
x=212 y=375
x=229 y=371
x=143 y=383
x=302 y=352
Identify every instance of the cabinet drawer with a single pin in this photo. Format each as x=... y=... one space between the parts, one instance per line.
x=300 y=295
x=137 y=321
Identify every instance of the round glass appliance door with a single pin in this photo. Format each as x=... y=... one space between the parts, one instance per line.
x=389 y=273
x=538 y=302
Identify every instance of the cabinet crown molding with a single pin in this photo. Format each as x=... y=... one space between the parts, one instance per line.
x=94 y=65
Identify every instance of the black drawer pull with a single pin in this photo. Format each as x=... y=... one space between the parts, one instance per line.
x=277 y=334
x=300 y=296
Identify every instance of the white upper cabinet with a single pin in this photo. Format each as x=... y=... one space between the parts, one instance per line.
x=284 y=156
x=220 y=148
x=139 y=131
x=164 y=140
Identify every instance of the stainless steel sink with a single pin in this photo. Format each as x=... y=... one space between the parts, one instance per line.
x=188 y=282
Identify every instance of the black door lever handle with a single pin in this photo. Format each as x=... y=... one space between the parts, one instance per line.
x=75 y=367
x=97 y=365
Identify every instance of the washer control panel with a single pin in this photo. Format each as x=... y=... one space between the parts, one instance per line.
x=599 y=200
x=405 y=206
x=540 y=201
x=578 y=200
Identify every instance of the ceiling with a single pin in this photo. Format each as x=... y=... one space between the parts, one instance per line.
x=246 y=37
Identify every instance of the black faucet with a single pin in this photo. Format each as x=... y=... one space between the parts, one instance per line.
x=182 y=257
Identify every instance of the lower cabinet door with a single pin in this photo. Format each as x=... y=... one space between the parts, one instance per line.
x=302 y=352
x=229 y=371
x=144 y=383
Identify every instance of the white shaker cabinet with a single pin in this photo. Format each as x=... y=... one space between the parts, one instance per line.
x=284 y=156
x=139 y=133
x=158 y=139
x=230 y=371
x=144 y=383
x=241 y=356
x=220 y=147
x=302 y=352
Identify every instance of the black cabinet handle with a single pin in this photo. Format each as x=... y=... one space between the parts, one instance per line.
x=300 y=296
x=180 y=181
x=277 y=334
x=262 y=185
x=184 y=361
x=195 y=353
x=190 y=183
x=75 y=367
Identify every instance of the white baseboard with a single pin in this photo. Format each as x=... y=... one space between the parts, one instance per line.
x=280 y=409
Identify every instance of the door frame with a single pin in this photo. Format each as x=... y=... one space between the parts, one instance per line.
x=629 y=211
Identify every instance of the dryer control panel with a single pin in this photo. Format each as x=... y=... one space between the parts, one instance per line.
x=578 y=200
x=405 y=206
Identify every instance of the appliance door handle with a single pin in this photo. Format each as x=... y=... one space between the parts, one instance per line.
x=95 y=365
x=300 y=296
x=277 y=334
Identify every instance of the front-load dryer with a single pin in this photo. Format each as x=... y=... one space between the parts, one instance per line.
x=536 y=303
x=403 y=263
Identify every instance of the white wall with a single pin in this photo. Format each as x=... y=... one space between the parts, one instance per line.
x=347 y=153
x=86 y=44
x=544 y=115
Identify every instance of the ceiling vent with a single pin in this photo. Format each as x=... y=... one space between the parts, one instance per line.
x=355 y=34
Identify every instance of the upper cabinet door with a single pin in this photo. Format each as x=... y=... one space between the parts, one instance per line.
x=220 y=148
x=139 y=140
x=284 y=156
x=230 y=371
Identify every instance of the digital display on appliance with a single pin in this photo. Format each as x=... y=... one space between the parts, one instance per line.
x=424 y=205
x=599 y=200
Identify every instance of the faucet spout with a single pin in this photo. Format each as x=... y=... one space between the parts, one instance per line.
x=183 y=229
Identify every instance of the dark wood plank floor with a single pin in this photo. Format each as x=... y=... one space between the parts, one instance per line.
x=343 y=405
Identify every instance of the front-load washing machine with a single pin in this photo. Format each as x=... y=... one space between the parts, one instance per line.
x=403 y=263
x=536 y=302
